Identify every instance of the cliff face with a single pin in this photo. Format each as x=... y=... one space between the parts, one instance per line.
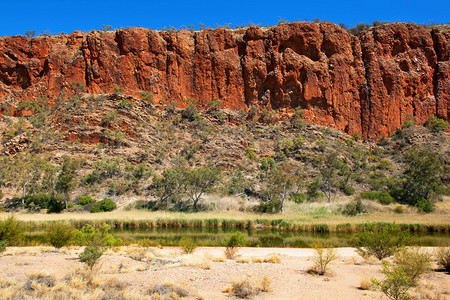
x=367 y=84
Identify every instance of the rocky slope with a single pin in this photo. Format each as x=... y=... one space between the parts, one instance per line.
x=366 y=84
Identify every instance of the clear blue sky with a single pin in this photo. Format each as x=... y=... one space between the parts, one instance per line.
x=67 y=16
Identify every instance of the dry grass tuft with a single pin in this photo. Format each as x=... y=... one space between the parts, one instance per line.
x=266 y=282
x=246 y=289
x=273 y=259
x=218 y=259
x=168 y=289
x=243 y=289
x=244 y=260
x=365 y=284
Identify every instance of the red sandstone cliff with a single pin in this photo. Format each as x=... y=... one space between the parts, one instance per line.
x=366 y=84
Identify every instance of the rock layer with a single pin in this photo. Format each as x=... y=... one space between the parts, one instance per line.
x=367 y=84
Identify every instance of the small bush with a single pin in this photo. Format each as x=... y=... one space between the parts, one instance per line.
x=382 y=197
x=56 y=205
x=188 y=245
x=353 y=208
x=348 y=190
x=365 y=285
x=168 y=291
x=415 y=262
x=396 y=284
x=85 y=200
x=103 y=206
x=243 y=289
x=233 y=243
x=399 y=209
x=60 y=234
x=443 y=258
x=11 y=230
x=380 y=241
x=250 y=153
x=298 y=198
x=436 y=124
x=322 y=257
x=425 y=205
x=3 y=245
x=91 y=255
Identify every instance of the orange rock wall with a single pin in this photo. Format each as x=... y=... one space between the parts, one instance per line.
x=367 y=84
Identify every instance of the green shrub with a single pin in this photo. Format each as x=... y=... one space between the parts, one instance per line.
x=85 y=200
x=117 y=89
x=353 y=208
x=396 y=283
x=11 y=230
x=91 y=236
x=103 y=206
x=56 y=205
x=380 y=241
x=436 y=124
x=91 y=255
x=399 y=209
x=298 y=198
x=348 y=190
x=233 y=243
x=425 y=205
x=250 y=153
x=124 y=104
x=382 y=197
x=269 y=207
x=188 y=245
x=323 y=255
x=3 y=245
x=415 y=262
x=60 y=234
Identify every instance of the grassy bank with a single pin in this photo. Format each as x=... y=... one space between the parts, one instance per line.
x=314 y=221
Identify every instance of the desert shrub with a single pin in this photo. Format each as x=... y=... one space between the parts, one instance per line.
x=425 y=205
x=396 y=283
x=92 y=178
x=244 y=289
x=382 y=197
x=348 y=190
x=250 y=153
x=168 y=291
x=91 y=236
x=436 y=124
x=353 y=208
x=298 y=198
x=124 y=104
x=415 y=262
x=147 y=96
x=117 y=89
x=91 y=255
x=60 y=234
x=365 y=285
x=399 y=209
x=384 y=164
x=233 y=243
x=380 y=241
x=443 y=258
x=11 y=230
x=188 y=245
x=85 y=200
x=3 y=245
x=41 y=279
x=109 y=118
x=269 y=207
x=323 y=255
x=190 y=112
x=56 y=205
x=103 y=206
